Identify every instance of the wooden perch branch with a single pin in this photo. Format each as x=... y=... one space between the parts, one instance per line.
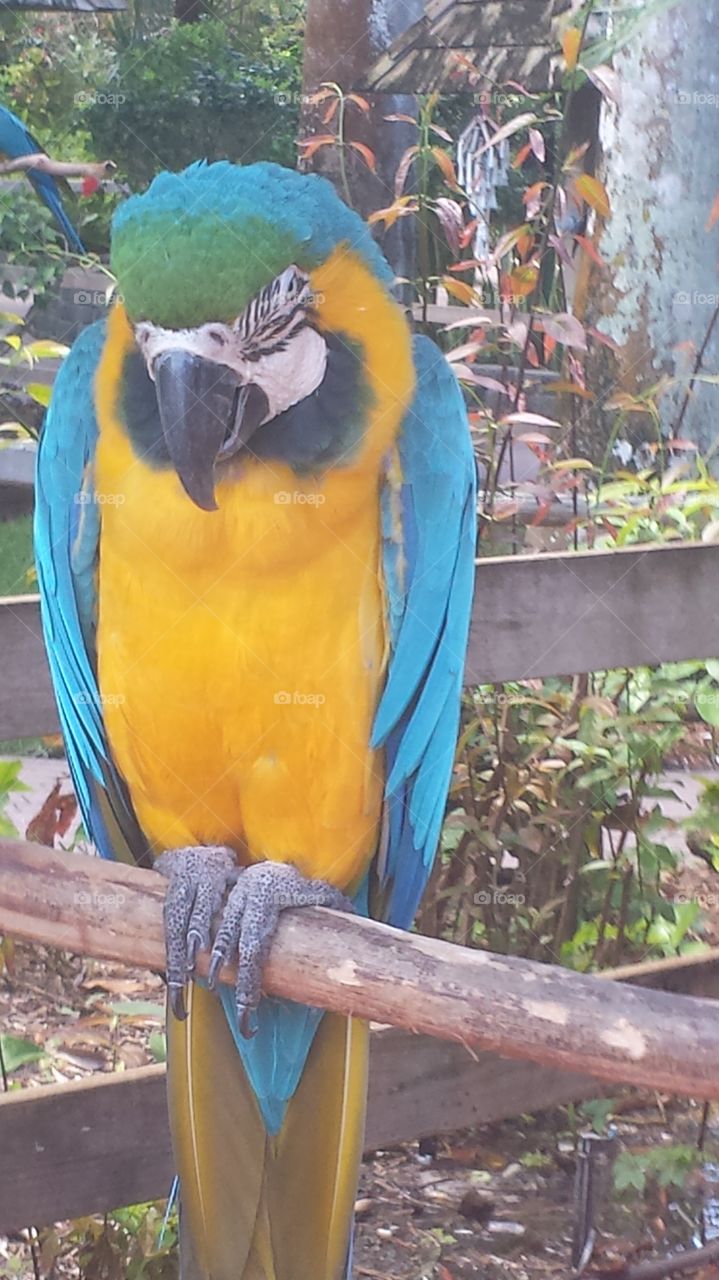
x=517 y=1008
x=59 y=168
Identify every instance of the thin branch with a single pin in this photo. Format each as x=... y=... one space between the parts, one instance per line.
x=658 y=1268
x=518 y=1008
x=698 y=362
x=59 y=168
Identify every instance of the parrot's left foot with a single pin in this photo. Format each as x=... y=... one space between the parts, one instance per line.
x=199 y=877
x=249 y=923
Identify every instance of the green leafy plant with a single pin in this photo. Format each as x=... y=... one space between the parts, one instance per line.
x=33 y=258
x=641 y=1172
x=555 y=847
x=128 y=1244
x=232 y=104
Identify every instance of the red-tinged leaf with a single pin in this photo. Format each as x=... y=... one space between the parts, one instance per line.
x=530 y=419
x=607 y=82
x=575 y=154
x=565 y=328
x=571 y=43
x=682 y=444
x=451 y=217
x=549 y=346
x=562 y=387
x=443 y=1273
x=331 y=111
x=574 y=464
x=542 y=511
x=459 y=289
x=604 y=339
x=506 y=130
x=532 y=192
x=467 y=351
x=518 y=331
x=358 y=100
x=53 y=818
x=525 y=245
x=532 y=198
x=468 y=233
x=713 y=214
x=493 y=384
x=445 y=165
x=401 y=208
x=404 y=119
x=521 y=282
x=311 y=145
x=521 y=155
x=367 y=155
x=403 y=169
x=521 y=89
x=532 y=357
x=467 y=264
x=441 y=133
x=536 y=142
x=509 y=240
x=89 y=185
x=472 y=319
x=594 y=193
x=535 y=437
x=591 y=249
x=464 y=373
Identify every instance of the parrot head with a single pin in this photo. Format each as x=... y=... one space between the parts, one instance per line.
x=230 y=354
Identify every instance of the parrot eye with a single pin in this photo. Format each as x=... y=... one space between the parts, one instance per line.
x=217 y=337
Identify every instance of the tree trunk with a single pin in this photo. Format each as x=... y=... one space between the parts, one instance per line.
x=342 y=38
x=660 y=165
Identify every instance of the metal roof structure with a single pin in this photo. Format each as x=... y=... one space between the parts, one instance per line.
x=502 y=39
x=65 y=6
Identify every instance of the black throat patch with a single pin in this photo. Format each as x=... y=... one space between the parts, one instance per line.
x=323 y=430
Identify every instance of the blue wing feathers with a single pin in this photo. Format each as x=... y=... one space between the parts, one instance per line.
x=15 y=141
x=67 y=531
x=418 y=716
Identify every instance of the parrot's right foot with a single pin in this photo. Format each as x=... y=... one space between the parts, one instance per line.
x=199 y=877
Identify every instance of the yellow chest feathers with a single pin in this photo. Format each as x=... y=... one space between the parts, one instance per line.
x=245 y=647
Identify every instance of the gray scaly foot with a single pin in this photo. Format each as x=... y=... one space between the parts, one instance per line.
x=249 y=923
x=199 y=877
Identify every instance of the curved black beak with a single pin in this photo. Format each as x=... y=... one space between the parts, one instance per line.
x=206 y=413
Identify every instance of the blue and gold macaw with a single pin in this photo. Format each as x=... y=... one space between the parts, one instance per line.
x=255 y=544
x=16 y=141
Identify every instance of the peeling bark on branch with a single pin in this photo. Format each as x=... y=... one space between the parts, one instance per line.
x=59 y=168
x=517 y=1008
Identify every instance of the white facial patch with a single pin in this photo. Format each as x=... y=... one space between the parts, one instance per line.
x=270 y=344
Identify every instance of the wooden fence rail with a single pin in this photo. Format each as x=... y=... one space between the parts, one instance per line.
x=96 y=1144
x=518 y=1008
x=541 y=615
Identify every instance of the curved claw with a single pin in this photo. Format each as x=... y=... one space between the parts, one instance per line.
x=176 y=996
x=217 y=960
x=249 y=923
x=198 y=878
